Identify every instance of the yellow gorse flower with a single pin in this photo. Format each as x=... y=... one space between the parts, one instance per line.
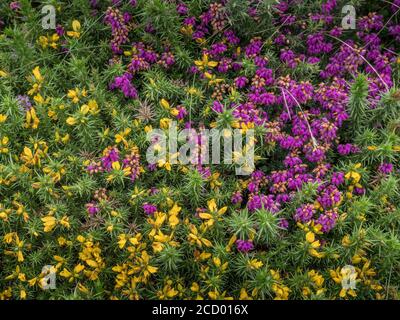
x=341 y=274
x=205 y=63
x=76 y=94
x=214 y=214
x=120 y=137
x=3 y=74
x=50 y=222
x=49 y=41
x=3 y=118
x=313 y=245
x=76 y=27
x=196 y=238
x=213 y=79
x=4 y=145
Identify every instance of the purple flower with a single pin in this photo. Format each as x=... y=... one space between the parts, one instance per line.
x=124 y=84
x=182 y=9
x=327 y=220
x=283 y=224
x=386 y=168
x=244 y=245
x=60 y=30
x=131 y=164
x=110 y=155
x=305 y=213
x=237 y=197
x=92 y=208
x=337 y=178
x=149 y=208
x=15 y=6
x=24 y=102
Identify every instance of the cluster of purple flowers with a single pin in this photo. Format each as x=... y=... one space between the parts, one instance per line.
x=244 y=245
x=119 y=28
x=125 y=85
x=149 y=208
x=130 y=164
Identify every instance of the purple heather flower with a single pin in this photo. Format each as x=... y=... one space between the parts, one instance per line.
x=92 y=208
x=15 y=5
x=244 y=245
x=283 y=224
x=182 y=113
x=119 y=28
x=386 y=168
x=236 y=197
x=217 y=107
x=344 y=149
x=263 y=202
x=328 y=6
x=316 y=44
x=149 y=28
x=93 y=4
x=132 y=164
x=337 y=178
x=182 y=9
x=305 y=213
x=24 y=102
x=124 y=84
x=240 y=82
x=110 y=155
x=327 y=220
x=60 y=30
x=149 y=208
x=231 y=37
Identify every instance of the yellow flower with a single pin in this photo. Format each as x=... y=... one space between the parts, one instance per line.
x=215 y=295
x=32 y=121
x=74 y=274
x=244 y=295
x=75 y=94
x=71 y=121
x=3 y=118
x=165 y=123
x=255 y=264
x=346 y=241
x=37 y=74
x=173 y=215
x=165 y=104
x=93 y=106
x=214 y=182
x=281 y=291
x=49 y=223
x=196 y=238
x=313 y=245
x=212 y=78
x=214 y=214
x=342 y=275
x=3 y=145
x=76 y=27
x=40 y=100
x=120 y=137
x=310 y=237
x=164 y=164
x=195 y=287
x=145 y=261
x=205 y=63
